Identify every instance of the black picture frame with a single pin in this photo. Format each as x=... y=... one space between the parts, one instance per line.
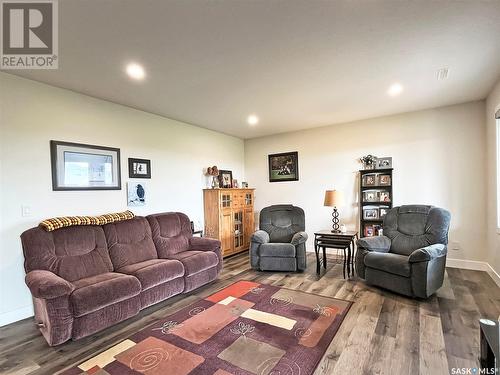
x=132 y=173
x=55 y=162
x=288 y=162
x=221 y=179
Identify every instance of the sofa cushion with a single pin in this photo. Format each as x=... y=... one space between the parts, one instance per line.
x=94 y=293
x=154 y=272
x=196 y=261
x=388 y=262
x=284 y=250
x=171 y=232
x=130 y=242
x=72 y=253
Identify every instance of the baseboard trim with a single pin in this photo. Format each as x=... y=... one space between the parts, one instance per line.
x=15 y=315
x=474 y=265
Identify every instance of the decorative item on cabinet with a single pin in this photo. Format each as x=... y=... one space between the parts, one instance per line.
x=214 y=172
x=229 y=217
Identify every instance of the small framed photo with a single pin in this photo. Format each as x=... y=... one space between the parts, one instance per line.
x=369 y=180
x=284 y=167
x=139 y=168
x=225 y=179
x=370 y=213
x=370 y=196
x=244 y=185
x=235 y=183
x=382 y=212
x=384 y=163
x=384 y=179
x=136 y=194
x=384 y=196
x=77 y=166
x=369 y=231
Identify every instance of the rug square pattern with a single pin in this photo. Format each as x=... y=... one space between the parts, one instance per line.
x=245 y=328
x=250 y=354
x=156 y=357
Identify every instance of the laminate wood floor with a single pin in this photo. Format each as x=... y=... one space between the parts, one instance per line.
x=383 y=333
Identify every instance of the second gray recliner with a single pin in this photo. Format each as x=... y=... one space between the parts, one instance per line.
x=280 y=244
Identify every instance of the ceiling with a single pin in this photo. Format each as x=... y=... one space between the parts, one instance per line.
x=297 y=64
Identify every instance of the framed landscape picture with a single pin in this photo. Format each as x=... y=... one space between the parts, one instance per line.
x=284 y=167
x=139 y=168
x=77 y=166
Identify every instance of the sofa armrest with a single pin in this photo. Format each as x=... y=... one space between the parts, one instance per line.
x=428 y=253
x=47 y=285
x=260 y=236
x=298 y=238
x=380 y=244
x=204 y=244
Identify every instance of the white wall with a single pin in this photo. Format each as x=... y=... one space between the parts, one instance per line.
x=31 y=114
x=492 y=105
x=438 y=156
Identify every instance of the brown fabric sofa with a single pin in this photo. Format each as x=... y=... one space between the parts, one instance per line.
x=86 y=278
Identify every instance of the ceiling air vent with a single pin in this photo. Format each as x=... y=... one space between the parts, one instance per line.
x=442 y=74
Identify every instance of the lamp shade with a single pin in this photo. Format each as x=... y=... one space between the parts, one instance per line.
x=334 y=198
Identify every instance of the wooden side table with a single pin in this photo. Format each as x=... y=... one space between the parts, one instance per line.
x=326 y=239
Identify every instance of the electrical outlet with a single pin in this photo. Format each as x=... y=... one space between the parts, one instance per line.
x=455 y=245
x=25 y=211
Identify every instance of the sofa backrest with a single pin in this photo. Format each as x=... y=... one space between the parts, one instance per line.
x=415 y=226
x=130 y=242
x=282 y=221
x=72 y=253
x=171 y=232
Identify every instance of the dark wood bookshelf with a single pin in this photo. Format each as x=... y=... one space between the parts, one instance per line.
x=372 y=225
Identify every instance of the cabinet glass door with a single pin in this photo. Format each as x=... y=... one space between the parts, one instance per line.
x=238 y=229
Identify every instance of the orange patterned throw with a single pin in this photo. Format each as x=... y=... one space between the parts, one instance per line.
x=60 y=222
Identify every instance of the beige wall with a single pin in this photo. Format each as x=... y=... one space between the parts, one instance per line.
x=31 y=114
x=492 y=105
x=438 y=156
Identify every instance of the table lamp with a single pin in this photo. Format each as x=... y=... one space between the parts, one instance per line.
x=334 y=198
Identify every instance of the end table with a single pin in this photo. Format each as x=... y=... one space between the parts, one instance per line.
x=326 y=239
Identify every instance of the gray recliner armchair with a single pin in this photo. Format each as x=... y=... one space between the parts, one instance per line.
x=410 y=258
x=280 y=244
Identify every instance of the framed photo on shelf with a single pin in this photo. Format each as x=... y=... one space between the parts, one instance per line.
x=382 y=211
x=369 y=231
x=370 y=213
x=284 y=167
x=370 y=196
x=384 y=179
x=369 y=180
x=384 y=163
x=77 y=166
x=225 y=179
x=139 y=168
x=384 y=196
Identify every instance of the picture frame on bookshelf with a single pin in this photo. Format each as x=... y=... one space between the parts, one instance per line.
x=370 y=196
x=369 y=231
x=384 y=196
x=369 y=180
x=382 y=211
x=370 y=213
x=384 y=163
x=384 y=179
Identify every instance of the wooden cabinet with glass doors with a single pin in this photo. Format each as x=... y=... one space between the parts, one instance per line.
x=229 y=217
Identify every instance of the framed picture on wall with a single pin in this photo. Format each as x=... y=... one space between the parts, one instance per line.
x=139 y=168
x=77 y=166
x=284 y=167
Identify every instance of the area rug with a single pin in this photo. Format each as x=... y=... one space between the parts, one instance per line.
x=246 y=328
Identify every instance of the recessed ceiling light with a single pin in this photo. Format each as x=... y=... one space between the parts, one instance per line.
x=395 y=89
x=252 y=120
x=135 y=71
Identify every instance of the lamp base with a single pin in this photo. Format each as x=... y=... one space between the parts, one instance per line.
x=335 y=221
